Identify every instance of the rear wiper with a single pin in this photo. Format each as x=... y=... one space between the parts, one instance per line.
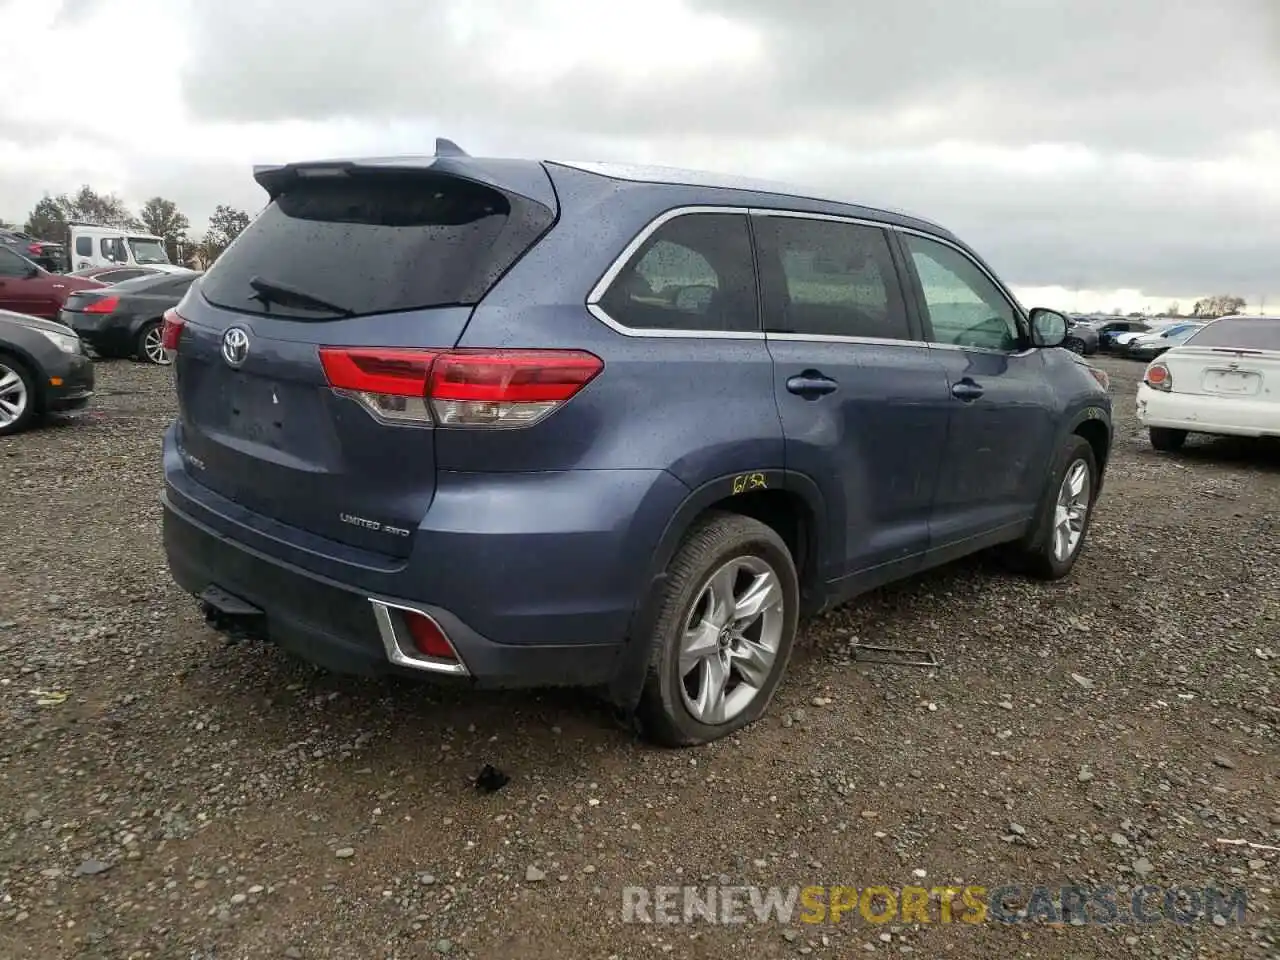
x=270 y=292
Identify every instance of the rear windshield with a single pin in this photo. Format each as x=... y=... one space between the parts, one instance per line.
x=154 y=282
x=369 y=244
x=1246 y=333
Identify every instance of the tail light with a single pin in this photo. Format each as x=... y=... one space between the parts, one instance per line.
x=1104 y=380
x=105 y=305
x=1158 y=377
x=35 y=248
x=171 y=332
x=459 y=388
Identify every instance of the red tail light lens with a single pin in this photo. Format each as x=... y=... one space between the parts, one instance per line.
x=428 y=639
x=171 y=332
x=105 y=305
x=498 y=388
x=35 y=248
x=1158 y=377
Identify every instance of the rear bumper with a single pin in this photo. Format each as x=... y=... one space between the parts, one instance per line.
x=1229 y=416
x=334 y=625
x=105 y=334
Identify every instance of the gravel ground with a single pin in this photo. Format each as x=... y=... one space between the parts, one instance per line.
x=193 y=800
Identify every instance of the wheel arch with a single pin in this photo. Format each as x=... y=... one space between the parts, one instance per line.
x=789 y=503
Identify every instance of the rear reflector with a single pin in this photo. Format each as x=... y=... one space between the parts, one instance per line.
x=428 y=639
x=171 y=332
x=105 y=305
x=501 y=388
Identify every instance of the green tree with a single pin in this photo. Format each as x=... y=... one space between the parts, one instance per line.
x=163 y=218
x=88 y=206
x=47 y=221
x=225 y=225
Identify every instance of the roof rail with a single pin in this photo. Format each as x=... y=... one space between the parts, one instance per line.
x=447 y=148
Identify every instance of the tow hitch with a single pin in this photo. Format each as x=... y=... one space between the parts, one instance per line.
x=229 y=615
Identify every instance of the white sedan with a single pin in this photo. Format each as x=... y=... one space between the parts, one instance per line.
x=1223 y=380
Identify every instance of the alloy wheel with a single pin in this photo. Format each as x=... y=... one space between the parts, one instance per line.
x=1072 y=510
x=13 y=396
x=153 y=346
x=731 y=640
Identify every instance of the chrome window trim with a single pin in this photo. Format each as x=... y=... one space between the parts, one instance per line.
x=995 y=281
x=611 y=274
x=837 y=338
x=619 y=263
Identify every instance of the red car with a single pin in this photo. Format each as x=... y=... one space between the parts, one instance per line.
x=26 y=288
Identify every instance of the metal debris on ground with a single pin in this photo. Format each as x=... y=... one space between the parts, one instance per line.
x=1251 y=846
x=899 y=656
x=491 y=779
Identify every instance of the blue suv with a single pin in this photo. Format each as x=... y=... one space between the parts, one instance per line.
x=523 y=423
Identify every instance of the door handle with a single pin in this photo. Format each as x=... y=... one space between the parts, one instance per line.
x=966 y=390
x=811 y=384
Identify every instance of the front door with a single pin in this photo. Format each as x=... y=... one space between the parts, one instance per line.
x=1001 y=434
x=864 y=403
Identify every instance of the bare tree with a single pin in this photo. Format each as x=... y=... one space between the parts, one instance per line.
x=1220 y=305
x=1174 y=309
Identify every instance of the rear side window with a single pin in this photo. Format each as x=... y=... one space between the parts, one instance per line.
x=826 y=278
x=375 y=243
x=115 y=276
x=1248 y=333
x=84 y=246
x=695 y=272
x=12 y=265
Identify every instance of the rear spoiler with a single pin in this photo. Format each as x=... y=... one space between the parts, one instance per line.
x=524 y=179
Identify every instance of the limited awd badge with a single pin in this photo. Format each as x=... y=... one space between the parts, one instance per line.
x=235 y=346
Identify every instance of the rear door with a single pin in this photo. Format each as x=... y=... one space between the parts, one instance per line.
x=16 y=290
x=864 y=405
x=1002 y=424
x=344 y=256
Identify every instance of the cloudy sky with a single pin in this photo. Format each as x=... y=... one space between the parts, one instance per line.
x=1098 y=153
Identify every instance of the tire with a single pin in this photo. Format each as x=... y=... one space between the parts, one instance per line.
x=148 y=347
x=1038 y=554
x=19 y=404
x=716 y=559
x=1074 y=344
x=1166 y=440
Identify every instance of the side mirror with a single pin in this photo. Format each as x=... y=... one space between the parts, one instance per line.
x=33 y=271
x=1048 y=327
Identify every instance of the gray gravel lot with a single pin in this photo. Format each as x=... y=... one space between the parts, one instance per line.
x=188 y=799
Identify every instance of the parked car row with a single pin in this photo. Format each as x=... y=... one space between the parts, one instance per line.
x=116 y=311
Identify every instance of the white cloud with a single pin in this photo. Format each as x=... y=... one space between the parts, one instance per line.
x=1117 y=150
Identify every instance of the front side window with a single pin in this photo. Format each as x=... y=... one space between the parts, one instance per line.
x=965 y=308
x=827 y=278
x=694 y=272
x=113 y=249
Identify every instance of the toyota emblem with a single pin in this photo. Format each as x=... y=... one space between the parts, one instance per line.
x=235 y=346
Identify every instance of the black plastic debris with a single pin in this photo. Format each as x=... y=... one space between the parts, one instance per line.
x=491 y=779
